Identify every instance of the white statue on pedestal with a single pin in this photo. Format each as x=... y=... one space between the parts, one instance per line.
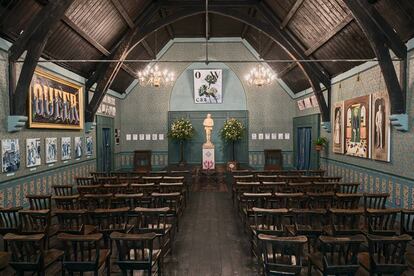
x=208 y=127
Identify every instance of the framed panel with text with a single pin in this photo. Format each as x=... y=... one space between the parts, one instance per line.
x=208 y=86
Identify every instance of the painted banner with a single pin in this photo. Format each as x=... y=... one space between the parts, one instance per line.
x=55 y=102
x=208 y=86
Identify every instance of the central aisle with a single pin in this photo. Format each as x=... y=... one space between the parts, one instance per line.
x=211 y=240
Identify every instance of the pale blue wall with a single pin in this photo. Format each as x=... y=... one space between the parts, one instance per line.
x=182 y=95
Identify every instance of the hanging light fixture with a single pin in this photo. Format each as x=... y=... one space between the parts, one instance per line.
x=153 y=76
x=260 y=76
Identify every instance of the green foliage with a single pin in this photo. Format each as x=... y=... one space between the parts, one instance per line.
x=232 y=130
x=321 y=141
x=181 y=129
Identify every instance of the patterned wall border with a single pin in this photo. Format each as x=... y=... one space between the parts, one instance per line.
x=12 y=193
x=401 y=189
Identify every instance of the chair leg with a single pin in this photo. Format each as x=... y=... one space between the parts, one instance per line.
x=309 y=268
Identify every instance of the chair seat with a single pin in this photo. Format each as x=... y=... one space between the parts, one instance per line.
x=52 y=255
x=4 y=260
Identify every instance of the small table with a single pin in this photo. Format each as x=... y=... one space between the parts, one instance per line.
x=209 y=175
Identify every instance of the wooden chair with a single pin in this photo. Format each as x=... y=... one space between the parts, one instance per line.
x=37 y=222
x=338 y=255
x=84 y=254
x=152 y=179
x=69 y=202
x=146 y=190
x=111 y=220
x=347 y=188
x=407 y=222
x=375 y=200
x=40 y=202
x=382 y=221
x=73 y=222
x=155 y=220
x=347 y=201
x=62 y=190
x=128 y=200
x=95 y=175
x=85 y=181
x=309 y=223
x=323 y=187
x=272 y=187
x=27 y=253
x=282 y=255
x=173 y=201
x=9 y=221
x=96 y=201
x=136 y=252
x=115 y=188
x=267 y=178
x=299 y=187
x=385 y=255
x=345 y=222
x=130 y=180
x=245 y=178
x=288 y=200
x=244 y=187
x=106 y=180
x=89 y=189
x=269 y=222
x=158 y=173
x=250 y=200
x=320 y=200
x=173 y=179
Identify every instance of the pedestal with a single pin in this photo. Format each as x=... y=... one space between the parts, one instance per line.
x=209 y=162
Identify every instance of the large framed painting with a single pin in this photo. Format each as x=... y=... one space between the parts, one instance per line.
x=357 y=126
x=208 y=86
x=33 y=155
x=10 y=155
x=338 y=128
x=381 y=132
x=55 y=102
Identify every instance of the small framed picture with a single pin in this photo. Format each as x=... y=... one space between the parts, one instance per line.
x=147 y=137
x=287 y=136
x=274 y=136
x=154 y=137
x=267 y=136
x=142 y=137
x=260 y=136
x=135 y=137
x=254 y=136
x=280 y=136
x=161 y=136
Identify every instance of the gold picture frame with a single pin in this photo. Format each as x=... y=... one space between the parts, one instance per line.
x=43 y=81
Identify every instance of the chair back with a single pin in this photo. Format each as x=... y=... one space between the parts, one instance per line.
x=299 y=187
x=386 y=253
x=323 y=187
x=289 y=200
x=282 y=255
x=128 y=200
x=146 y=189
x=348 y=188
x=71 y=221
x=26 y=251
x=39 y=202
x=82 y=252
x=407 y=222
x=347 y=201
x=34 y=221
x=152 y=220
x=115 y=188
x=309 y=221
x=9 y=220
x=382 y=221
x=267 y=178
x=272 y=187
x=170 y=200
x=89 y=189
x=375 y=200
x=69 y=202
x=85 y=181
x=171 y=187
x=96 y=201
x=320 y=200
x=152 y=179
x=106 y=180
x=135 y=251
x=340 y=254
x=95 y=175
x=110 y=220
x=345 y=221
x=270 y=221
x=63 y=190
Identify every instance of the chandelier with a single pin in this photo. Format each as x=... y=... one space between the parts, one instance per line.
x=153 y=76
x=260 y=76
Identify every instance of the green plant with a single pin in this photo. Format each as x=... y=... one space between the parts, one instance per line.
x=181 y=129
x=232 y=131
x=321 y=141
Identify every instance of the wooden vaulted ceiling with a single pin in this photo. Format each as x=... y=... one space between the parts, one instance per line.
x=324 y=29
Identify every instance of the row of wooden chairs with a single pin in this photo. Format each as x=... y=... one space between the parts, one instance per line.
x=85 y=181
x=279 y=172
x=283 y=178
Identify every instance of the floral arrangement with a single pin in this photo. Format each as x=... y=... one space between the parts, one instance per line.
x=232 y=130
x=181 y=129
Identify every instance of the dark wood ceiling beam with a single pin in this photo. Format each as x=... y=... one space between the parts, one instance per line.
x=34 y=40
x=379 y=42
x=169 y=28
x=234 y=3
x=251 y=13
x=106 y=72
x=266 y=49
x=291 y=13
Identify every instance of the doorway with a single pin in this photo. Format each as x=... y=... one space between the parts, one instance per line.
x=304 y=140
x=105 y=143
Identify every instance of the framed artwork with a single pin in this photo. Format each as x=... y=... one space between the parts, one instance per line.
x=381 y=134
x=33 y=153
x=89 y=145
x=55 y=102
x=78 y=147
x=10 y=155
x=357 y=126
x=338 y=128
x=66 y=148
x=208 y=86
x=301 y=105
x=51 y=150
x=307 y=102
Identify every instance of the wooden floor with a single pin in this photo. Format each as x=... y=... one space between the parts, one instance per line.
x=211 y=240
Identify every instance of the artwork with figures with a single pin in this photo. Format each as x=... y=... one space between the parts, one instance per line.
x=208 y=86
x=380 y=126
x=89 y=145
x=357 y=126
x=33 y=155
x=66 y=148
x=78 y=147
x=51 y=150
x=10 y=155
x=338 y=128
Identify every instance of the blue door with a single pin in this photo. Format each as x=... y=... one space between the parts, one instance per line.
x=106 y=150
x=304 y=147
